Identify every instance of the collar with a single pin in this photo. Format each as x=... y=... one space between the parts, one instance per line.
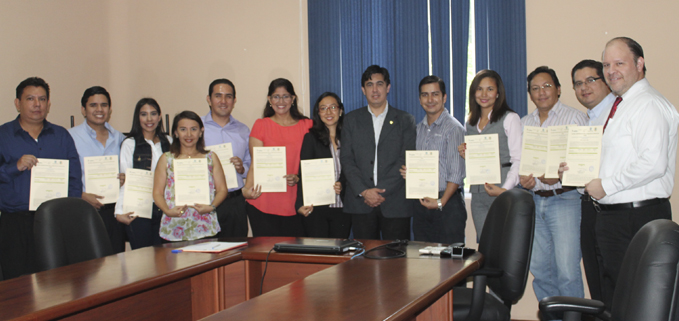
x=638 y=87
x=603 y=104
x=439 y=121
x=383 y=114
x=208 y=119
x=93 y=133
x=555 y=111
x=46 y=126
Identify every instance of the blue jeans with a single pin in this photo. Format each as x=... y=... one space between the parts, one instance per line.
x=555 y=262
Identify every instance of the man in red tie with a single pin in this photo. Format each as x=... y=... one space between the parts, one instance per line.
x=639 y=150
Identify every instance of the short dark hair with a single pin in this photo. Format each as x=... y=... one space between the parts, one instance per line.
x=33 y=82
x=319 y=129
x=433 y=79
x=137 y=131
x=375 y=69
x=546 y=70
x=221 y=81
x=176 y=147
x=633 y=46
x=275 y=84
x=96 y=90
x=596 y=65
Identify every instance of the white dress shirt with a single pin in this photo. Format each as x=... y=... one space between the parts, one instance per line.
x=378 y=122
x=639 y=147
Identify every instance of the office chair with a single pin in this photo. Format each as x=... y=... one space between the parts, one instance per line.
x=66 y=231
x=646 y=288
x=506 y=244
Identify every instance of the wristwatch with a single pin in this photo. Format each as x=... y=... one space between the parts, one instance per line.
x=438 y=201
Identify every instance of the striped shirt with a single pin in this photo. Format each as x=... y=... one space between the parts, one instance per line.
x=444 y=135
x=338 y=170
x=560 y=114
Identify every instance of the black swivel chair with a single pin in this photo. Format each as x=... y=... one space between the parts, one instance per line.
x=506 y=244
x=647 y=284
x=66 y=231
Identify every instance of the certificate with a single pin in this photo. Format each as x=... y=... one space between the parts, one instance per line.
x=191 y=182
x=534 y=151
x=482 y=159
x=422 y=177
x=318 y=181
x=225 y=152
x=583 y=155
x=556 y=154
x=270 y=167
x=101 y=177
x=138 y=192
x=49 y=180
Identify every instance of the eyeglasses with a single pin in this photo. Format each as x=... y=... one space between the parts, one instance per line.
x=535 y=89
x=324 y=109
x=284 y=97
x=588 y=81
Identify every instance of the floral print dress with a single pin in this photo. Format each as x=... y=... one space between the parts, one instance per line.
x=191 y=225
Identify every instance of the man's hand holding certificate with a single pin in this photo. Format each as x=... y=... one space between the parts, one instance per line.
x=482 y=159
x=583 y=155
x=318 y=181
x=192 y=184
x=225 y=152
x=49 y=180
x=269 y=164
x=558 y=140
x=534 y=151
x=422 y=176
x=101 y=177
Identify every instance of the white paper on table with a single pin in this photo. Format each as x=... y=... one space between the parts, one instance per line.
x=583 y=155
x=191 y=181
x=101 y=177
x=225 y=152
x=534 y=151
x=422 y=176
x=318 y=181
x=49 y=180
x=270 y=168
x=138 y=192
x=482 y=161
x=556 y=154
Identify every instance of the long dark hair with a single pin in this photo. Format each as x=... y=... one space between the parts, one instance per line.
x=319 y=129
x=275 y=84
x=499 y=108
x=137 y=131
x=176 y=146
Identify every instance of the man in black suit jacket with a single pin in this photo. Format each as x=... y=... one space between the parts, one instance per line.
x=375 y=191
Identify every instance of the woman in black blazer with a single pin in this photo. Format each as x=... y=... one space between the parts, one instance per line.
x=323 y=141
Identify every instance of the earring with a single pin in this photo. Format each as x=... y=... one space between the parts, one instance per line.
x=497 y=96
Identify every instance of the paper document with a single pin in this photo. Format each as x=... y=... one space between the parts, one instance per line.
x=558 y=138
x=270 y=166
x=213 y=247
x=482 y=159
x=422 y=177
x=138 y=192
x=191 y=182
x=101 y=177
x=225 y=152
x=583 y=155
x=49 y=180
x=534 y=151
x=318 y=181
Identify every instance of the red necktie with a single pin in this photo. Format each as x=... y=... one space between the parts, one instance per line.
x=612 y=113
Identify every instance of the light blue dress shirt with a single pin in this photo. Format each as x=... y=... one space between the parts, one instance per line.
x=86 y=143
x=236 y=133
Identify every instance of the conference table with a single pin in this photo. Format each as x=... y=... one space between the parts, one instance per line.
x=156 y=284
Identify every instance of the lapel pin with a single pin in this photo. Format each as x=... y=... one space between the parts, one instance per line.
x=391 y=122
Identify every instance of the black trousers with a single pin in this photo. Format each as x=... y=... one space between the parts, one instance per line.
x=446 y=226
x=591 y=254
x=327 y=222
x=369 y=226
x=233 y=217
x=17 y=247
x=114 y=229
x=144 y=232
x=614 y=231
x=264 y=224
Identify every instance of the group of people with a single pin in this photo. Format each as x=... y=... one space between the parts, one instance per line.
x=368 y=147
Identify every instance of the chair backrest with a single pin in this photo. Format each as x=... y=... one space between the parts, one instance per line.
x=507 y=242
x=646 y=288
x=66 y=231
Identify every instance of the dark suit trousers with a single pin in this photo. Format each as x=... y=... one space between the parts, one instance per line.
x=369 y=226
x=591 y=255
x=615 y=230
x=327 y=222
x=233 y=218
x=114 y=229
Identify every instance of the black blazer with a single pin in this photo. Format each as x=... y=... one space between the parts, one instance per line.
x=313 y=148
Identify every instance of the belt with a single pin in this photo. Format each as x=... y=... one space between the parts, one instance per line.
x=554 y=192
x=625 y=206
x=506 y=165
x=235 y=193
x=107 y=206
